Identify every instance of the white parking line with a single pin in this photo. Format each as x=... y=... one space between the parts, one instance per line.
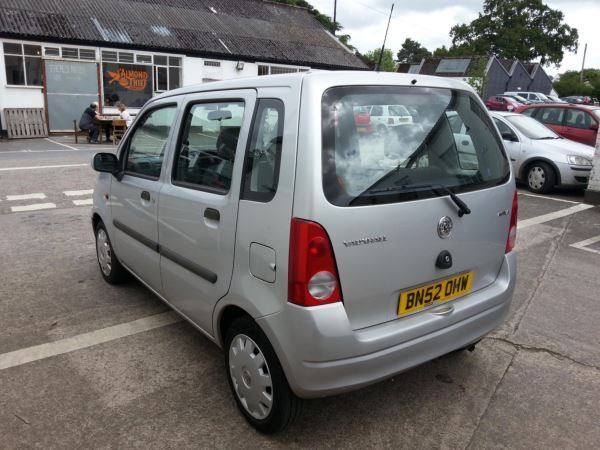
x=60 y=166
x=87 y=201
x=78 y=193
x=64 y=145
x=526 y=194
x=34 y=207
x=35 y=353
x=583 y=245
x=551 y=216
x=37 y=196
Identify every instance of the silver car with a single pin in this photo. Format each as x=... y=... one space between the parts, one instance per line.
x=540 y=157
x=321 y=260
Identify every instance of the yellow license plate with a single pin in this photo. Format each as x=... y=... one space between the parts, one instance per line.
x=419 y=298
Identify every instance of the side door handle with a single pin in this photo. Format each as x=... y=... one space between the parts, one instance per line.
x=212 y=214
x=145 y=195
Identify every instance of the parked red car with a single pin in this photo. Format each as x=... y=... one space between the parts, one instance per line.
x=576 y=122
x=503 y=103
x=362 y=119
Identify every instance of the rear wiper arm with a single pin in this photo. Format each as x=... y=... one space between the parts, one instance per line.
x=462 y=206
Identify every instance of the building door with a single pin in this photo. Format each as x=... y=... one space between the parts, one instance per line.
x=70 y=87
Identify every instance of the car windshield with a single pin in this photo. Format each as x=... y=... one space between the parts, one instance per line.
x=531 y=128
x=450 y=143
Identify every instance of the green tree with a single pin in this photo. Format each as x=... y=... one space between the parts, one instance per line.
x=523 y=29
x=412 y=52
x=387 y=63
x=443 y=51
x=569 y=83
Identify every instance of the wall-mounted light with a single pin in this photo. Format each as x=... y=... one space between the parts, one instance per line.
x=240 y=65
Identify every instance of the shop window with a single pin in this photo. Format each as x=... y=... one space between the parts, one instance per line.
x=70 y=53
x=52 y=51
x=87 y=54
x=125 y=57
x=128 y=83
x=109 y=56
x=23 y=64
x=143 y=59
x=167 y=73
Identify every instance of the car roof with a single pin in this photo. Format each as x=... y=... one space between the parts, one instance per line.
x=321 y=78
x=562 y=105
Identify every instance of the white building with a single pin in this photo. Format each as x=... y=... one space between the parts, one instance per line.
x=60 y=55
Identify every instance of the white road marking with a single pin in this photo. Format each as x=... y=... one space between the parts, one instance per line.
x=47 y=151
x=551 y=216
x=87 y=201
x=78 y=193
x=58 y=166
x=62 y=346
x=583 y=245
x=526 y=194
x=34 y=207
x=60 y=143
x=37 y=196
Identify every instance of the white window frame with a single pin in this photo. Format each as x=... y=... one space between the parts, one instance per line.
x=22 y=56
x=283 y=66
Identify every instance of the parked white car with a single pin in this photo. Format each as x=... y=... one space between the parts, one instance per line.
x=540 y=157
x=533 y=97
x=384 y=117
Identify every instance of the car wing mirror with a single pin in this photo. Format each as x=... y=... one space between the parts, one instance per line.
x=106 y=162
x=508 y=136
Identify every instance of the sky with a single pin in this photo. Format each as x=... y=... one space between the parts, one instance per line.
x=429 y=22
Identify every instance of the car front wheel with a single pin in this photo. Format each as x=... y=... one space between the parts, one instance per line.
x=112 y=271
x=257 y=380
x=540 y=178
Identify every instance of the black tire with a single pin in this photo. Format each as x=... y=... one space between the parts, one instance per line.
x=114 y=273
x=540 y=177
x=286 y=406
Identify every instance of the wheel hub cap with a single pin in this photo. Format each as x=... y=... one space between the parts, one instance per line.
x=536 y=178
x=104 y=252
x=250 y=376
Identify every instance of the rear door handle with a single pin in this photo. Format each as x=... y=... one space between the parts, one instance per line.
x=212 y=214
x=145 y=195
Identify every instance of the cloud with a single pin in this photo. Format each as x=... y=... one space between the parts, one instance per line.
x=429 y=22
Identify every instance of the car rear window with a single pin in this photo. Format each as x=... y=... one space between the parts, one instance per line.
x=450 y=143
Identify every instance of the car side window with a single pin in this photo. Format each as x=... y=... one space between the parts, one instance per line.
x=531 y=112
x=578 y=119
x=553 y=116
x=146 y=147
x=376 y=111
x=505 y=131
x=261 y=172
x=207 y=146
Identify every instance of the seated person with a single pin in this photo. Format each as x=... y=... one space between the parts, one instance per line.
x=124 y=114
x=87 y=123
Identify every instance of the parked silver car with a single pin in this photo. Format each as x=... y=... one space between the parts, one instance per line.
x=320 y=259
x=540 y=157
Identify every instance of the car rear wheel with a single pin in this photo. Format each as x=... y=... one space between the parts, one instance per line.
x=256 y=378
x=112 y=271
x=540 y=177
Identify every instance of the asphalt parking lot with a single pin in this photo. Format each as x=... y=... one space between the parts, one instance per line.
x=87 y=365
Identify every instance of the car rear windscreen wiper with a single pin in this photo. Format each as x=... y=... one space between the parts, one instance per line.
x=462 y=206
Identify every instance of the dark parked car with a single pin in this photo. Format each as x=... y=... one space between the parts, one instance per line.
x=576 y=122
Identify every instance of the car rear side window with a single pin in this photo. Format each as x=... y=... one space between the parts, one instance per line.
x=450 y=143
x=531 y=112
x=207 y=146
x=578 y=119
x=261 y=171
x=552 y=116
x=146 y=146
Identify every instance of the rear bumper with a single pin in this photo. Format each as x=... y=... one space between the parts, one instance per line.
x=321 y=355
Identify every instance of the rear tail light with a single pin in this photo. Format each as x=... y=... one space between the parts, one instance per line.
x=312 y=273
x=512 y=230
